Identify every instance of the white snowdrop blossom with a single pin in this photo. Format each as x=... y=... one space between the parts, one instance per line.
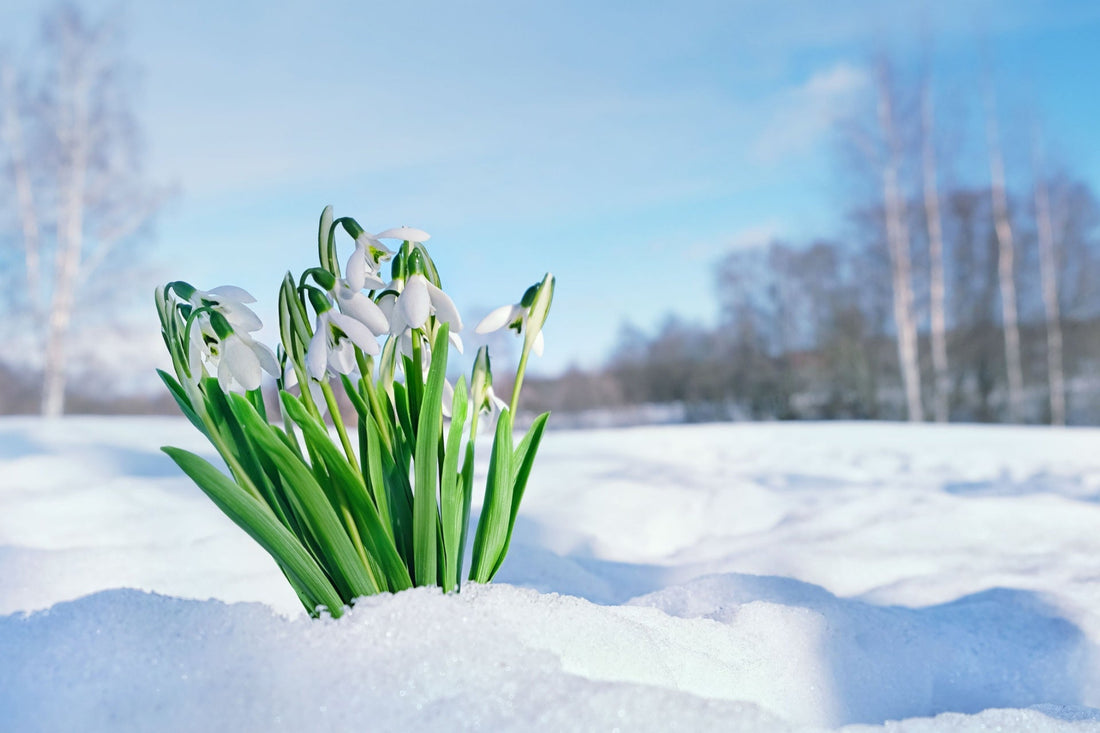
x=332 y=346
x=353 y=303
x=220 y=338
x=241 y=361
x=232 y=302
x=415 y=301
x=513 y=316
x=364 y=265
x=235 y=358
x=493 y=404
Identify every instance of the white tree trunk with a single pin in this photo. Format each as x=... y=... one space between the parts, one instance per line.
x=1006 y=272
x=1048 y=270
x=24 y=193
x=897 y=237
x=74 y=128
x=935 y=258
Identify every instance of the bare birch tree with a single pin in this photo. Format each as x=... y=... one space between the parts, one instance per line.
x=937 y=320
x=12 y=136
x=1006 y=259
x=897 y=238
x=73 y=167
x=1048 y=273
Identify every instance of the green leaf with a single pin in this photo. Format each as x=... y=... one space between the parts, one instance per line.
x=522 y=461
x=492 y=526
x=426 y=466
x=401 y=407
x=378 y=543
x=353 y=395
x=250 y=515
x=450 y=490
x=183 y=401
x=370 y=454
x=338 y=553
x=467 y=483
x=414 y=388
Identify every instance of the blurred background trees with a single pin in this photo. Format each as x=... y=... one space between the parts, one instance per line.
x=73 y=198
x=969 y=297
x=960 y=285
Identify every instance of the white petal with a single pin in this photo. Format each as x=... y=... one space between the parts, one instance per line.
x=415 y=302
x=194 y=359
x=405 y=234
x=266 y=356
x=495 y=402
x=444 y=307
x=396 y=316
x=356 y=269
x=231 y=292
x=318 y=397
x=342 y=357
x=240 y=317
x=537 y=346
x=456 y=340
x=225 y=377
x=359 y=334
x=317 y=353
x=368 y=241
x=498 y=318
x=242 y=361
x=405 y=344
x=364 y=310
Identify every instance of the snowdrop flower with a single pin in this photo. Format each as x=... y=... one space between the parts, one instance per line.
x=353 y=303
x=515 y=316
x=482 y=396
x=242 y=360
x=333 y=342
x=493 y=404
x=237 y=358
x=364 y=265
x=411 y=303
x=232 y=302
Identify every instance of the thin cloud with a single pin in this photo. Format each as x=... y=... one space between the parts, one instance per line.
x=801 y=116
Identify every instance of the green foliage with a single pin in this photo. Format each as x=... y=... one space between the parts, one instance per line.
x=344 y=518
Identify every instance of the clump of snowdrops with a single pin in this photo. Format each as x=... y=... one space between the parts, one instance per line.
x=386 y=507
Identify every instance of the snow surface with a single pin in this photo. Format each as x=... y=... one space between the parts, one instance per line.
x=723 y=577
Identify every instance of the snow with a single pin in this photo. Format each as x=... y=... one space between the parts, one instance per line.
x=767 y=577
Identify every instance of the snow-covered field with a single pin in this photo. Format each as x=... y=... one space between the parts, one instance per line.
x=721 y=577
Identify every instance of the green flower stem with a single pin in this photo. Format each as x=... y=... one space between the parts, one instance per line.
x=186 y=343
x=473 y=423
x=295 y=302
x=215 y=437
x=519 y=382
x=366 y=369
x=353 y=532
x=338 y=421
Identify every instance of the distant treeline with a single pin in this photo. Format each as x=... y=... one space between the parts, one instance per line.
x=807 y=332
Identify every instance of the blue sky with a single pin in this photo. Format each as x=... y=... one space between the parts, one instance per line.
x=623 y=146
